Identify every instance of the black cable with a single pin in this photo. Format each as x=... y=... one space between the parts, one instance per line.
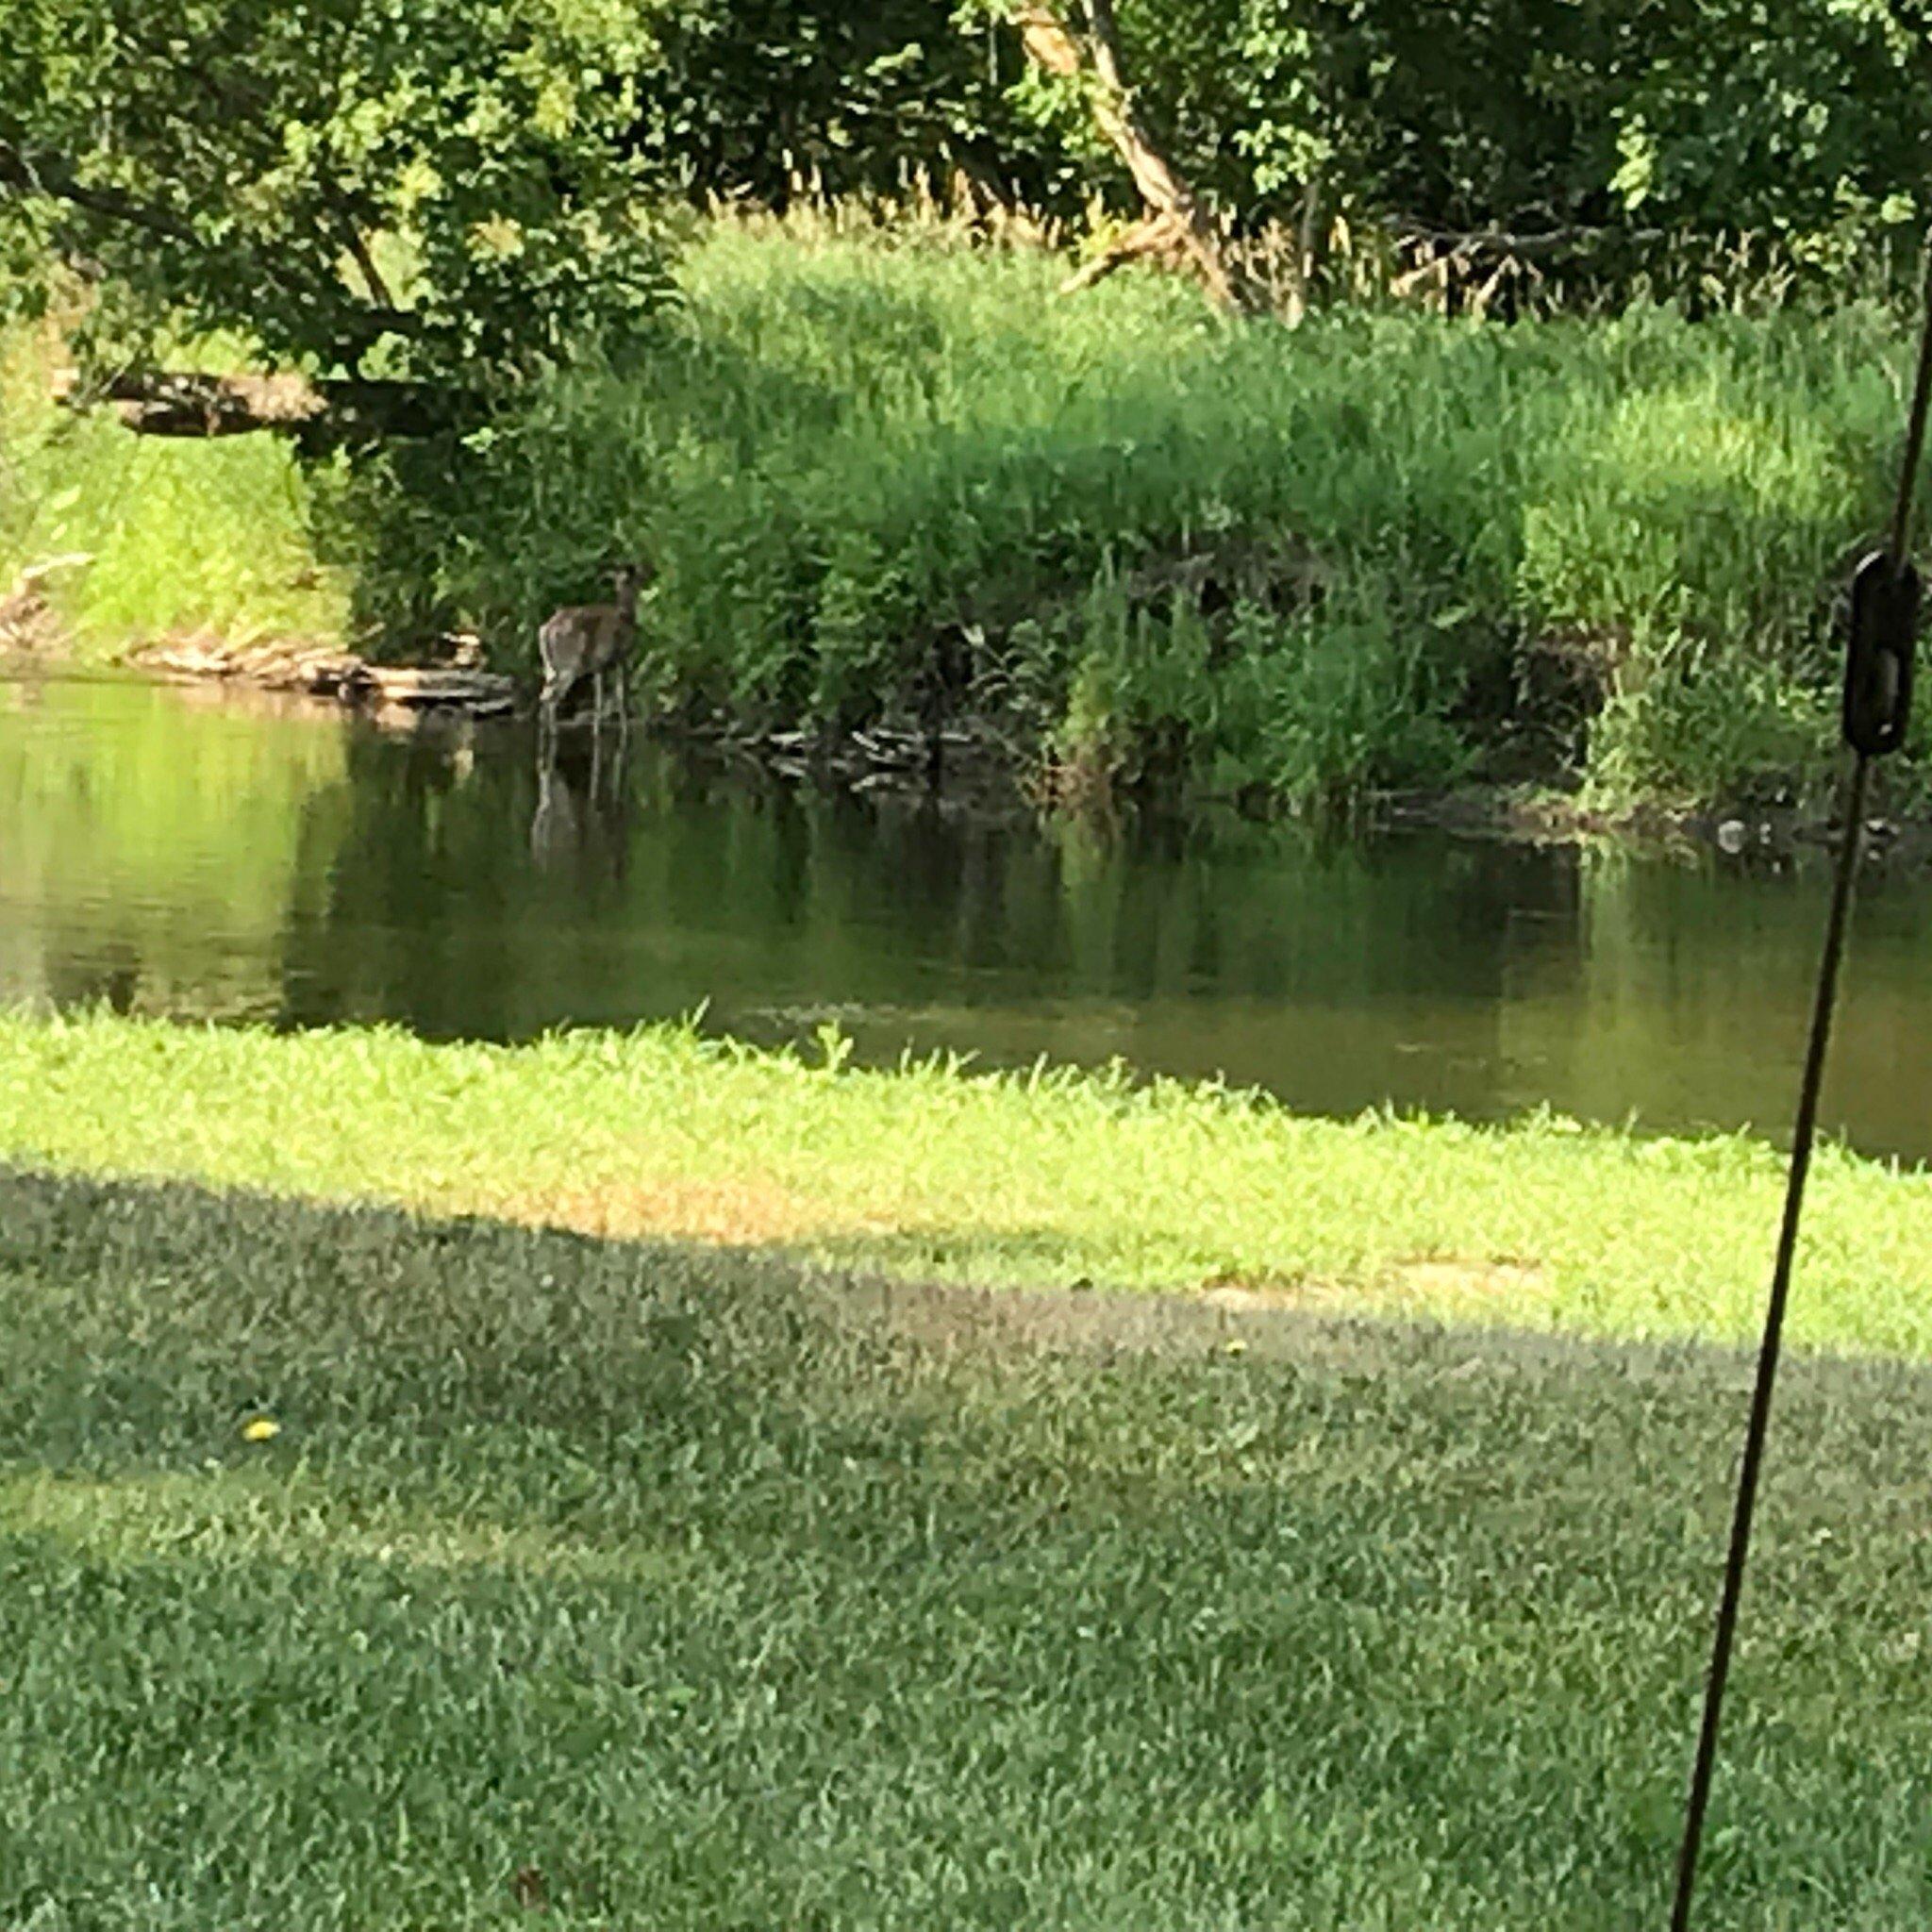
x=1804 y=1134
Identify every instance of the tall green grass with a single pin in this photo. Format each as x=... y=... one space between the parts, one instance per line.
x=176 y=536
x=1383 y=550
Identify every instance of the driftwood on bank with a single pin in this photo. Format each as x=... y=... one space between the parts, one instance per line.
x=1178 y=226
x=28 y=623
x=318 y=671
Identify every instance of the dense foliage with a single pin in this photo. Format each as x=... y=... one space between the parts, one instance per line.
x=417 y=187
x=761 y=100
x=1810 y=121
x=428 y=188
x=881 y=479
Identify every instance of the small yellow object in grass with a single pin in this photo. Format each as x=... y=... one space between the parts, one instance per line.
x=1237 y=1346
x=261 y=1428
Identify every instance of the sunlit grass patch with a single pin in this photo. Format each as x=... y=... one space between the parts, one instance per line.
x=165 y=533
x=929 y=1172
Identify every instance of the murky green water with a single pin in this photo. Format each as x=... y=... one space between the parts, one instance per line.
x=173 y=852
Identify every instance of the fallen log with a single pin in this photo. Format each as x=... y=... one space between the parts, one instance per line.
x=191 y=404
x=321 y=671
x=481 y=692
x=280 y=665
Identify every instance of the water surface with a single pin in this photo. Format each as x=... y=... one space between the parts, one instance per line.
x=172 y=851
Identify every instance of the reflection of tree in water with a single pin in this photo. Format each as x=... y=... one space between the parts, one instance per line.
x=218 y=864
x=475 y=887
x=1677 y=993
x=149 y=849
x=109 y=975
x=449 y=880
x=405 y=896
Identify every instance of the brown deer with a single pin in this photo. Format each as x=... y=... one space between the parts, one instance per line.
x=583 y=640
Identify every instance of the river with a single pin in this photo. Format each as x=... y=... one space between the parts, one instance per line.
x=175 y=851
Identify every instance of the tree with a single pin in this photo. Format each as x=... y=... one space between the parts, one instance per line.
x=1078 y=46
x=424 y=193
x=752 y=99
x=1596 y=135
x=1812 y=122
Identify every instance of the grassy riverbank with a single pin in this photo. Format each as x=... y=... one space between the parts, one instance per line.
x=892 y=476
x=1382 y=550
x=1059 y=1180
x=165 y=535
x=665 y=1585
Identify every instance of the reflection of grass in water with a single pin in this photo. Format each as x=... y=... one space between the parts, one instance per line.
x=927 y=1174
x=706 y=1594
x=171 y=831
x=184 y=535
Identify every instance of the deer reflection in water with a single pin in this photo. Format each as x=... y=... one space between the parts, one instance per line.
x=581 y=821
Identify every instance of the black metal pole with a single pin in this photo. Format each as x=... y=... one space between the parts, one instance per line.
x=1803 y=1139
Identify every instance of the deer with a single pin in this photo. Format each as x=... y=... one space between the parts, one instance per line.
x=583 y=640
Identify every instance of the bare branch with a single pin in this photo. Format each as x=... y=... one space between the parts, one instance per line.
x=372 y=276
x=1156 y=235
x=1473 y=242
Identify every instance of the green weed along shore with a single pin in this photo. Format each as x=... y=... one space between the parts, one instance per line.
x=933 y=1174
x=166 y=535
x=1436 y=547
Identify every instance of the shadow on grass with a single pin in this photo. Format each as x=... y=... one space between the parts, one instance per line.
x=716 y=1593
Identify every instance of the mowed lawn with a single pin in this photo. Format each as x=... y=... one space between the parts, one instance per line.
x=644 y=1581
x=1049 y=1179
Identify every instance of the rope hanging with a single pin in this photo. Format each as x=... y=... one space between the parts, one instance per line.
x=1877 y=705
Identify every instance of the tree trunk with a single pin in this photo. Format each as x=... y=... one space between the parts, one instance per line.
x=1176 y=218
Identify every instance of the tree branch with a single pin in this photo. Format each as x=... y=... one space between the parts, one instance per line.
x=53 y=176
x=50 y=175
x=1152 y=235
x=358 y=253
x=1483 y=241
x=188 y=404
x=1052 y=47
